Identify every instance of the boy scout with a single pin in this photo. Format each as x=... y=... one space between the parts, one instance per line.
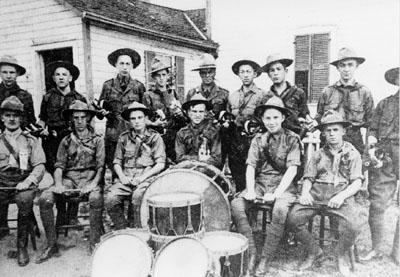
x=332 y=177
x=242 y=104
x=80 y=165
x=167 y=115
x=140 y=154
x=21 y=167
x=200 y=139
x=348 y=97
x=217 y=96
x=384 y=132
x=294 y=98
x=118 y=93
x=54 y=102
x=272 y=163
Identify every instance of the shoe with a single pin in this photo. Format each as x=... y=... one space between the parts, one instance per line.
x=252 y=264
x=262 y=268
x=373 y=254
x=47 y=253
x=23 y=257
x=343 y=267
x=310 y=261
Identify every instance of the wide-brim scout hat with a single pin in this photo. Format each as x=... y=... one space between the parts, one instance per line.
x=392 y=76
x=135 y=106
x=10 y=60
x=332 y=117
x=206 y=61
x=79 y=106
x=346 y=53
x=273 y=103
x=274 y=58
x=256 y=67
x=158 y=65
x=73 y=70
x=113 y=57
x=12 y=103
x=197 y=99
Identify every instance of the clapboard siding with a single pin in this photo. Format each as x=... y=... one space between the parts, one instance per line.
x=30 y=26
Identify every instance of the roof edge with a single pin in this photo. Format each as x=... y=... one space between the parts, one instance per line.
x=209 y=45
x=194 y=26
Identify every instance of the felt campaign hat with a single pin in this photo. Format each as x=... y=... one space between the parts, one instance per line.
x=79 y=106
x=135 y=106
x=158 y=65
x=51 y=67
x=113 y=57
x=392 y=76
x=346 y=53
x=332 y=117
x=197 y=99
x=273 y=103
x=274 y=58
x=206 y=61
x=10 y=60
x=12 y=103
x=256 y=67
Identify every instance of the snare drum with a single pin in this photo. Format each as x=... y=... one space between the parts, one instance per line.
x=182 y=257
x=175 y=214
x=216 y=208
x=229 y=253
x=123 y=253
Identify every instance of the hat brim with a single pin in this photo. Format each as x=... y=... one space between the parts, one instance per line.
x=113 y=57
x=190 y=103
x=126 y=114
x=11 y=110
x=345 y=124
x=259 y=111
x=359 y=60
x=159 y=69
x=204 y=67
x=51 y=67
x=256 y=67
x=392 y=76
x=285 y=62
x=68 y=113
x=20 y=70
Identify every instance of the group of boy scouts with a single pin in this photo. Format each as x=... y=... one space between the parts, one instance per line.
x=259 y=133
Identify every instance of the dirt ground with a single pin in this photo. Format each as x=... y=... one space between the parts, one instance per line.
x=75 y=258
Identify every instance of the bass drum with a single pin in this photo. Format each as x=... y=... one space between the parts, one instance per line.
x=123 y=253
x=187 y=177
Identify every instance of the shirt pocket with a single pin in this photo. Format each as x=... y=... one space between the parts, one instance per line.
x=4 y=160
x=355 y=113
x=129 y=158
x=145 y=158
x=334 y=105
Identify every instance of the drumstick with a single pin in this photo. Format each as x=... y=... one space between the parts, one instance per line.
x=8 y=188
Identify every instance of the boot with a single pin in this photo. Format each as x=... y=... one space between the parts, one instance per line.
x=61 y=206
x=96 y=226
x=117 y=216
x=72 y=213
x=3 y=221
x=22 y=239
x=51 y=250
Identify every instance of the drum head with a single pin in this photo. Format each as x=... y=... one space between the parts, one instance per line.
x=121 y=254
x=223 y=243
x=182 y=257
x=216 y=209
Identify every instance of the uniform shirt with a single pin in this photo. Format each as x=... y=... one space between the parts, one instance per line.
x=26 y=99
x=385 y=120
x=54 y=103
x=242 y=105
x=135 y=152
x=217 y=96
x=189 y=139
x=332 y=172
x=353 y=102
x=295 y=100
x=10 y=173
x=284 y=151
x=76 y=153
x=118 y=99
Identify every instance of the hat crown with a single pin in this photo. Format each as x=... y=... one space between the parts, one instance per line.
x=136 y=105
x=79 y=105
x=8 y=59
x=207 y=60
x=392 y=76
x=346 y=52
x=276 y=102
x=12 y=103
x=198 y=97
x=157 y=64
x=330 y=117
x=275 y=57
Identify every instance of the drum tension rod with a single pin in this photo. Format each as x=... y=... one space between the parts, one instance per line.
x=189 y=228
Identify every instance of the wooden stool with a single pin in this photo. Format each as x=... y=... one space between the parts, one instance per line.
x=266 y=211
x=62 y=220
x=353 y=251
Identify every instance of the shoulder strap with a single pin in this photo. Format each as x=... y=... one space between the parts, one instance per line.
x=9 y=147
x=81 y=144
x=269 y=158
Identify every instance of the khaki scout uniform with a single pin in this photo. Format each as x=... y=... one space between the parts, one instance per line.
x=190 y=138
x=79 y=159
x=271 y=155
x=135 y=156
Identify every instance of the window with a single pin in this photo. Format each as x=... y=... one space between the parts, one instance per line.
x=177 y=71
x=312 y=63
